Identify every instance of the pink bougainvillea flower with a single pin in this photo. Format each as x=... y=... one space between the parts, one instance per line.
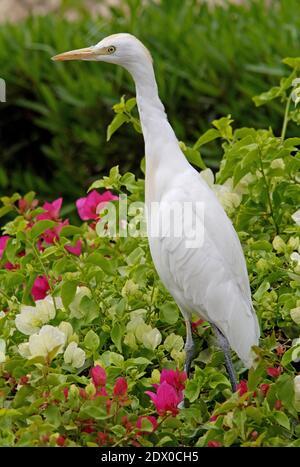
x=195 y=324
x=51 y=235
x=102 y=438
x=242 y=387
x=264 y=388
x=40 y=288
x=3 y=241
x=24 y=205
x=74 y=249
x=98 y=375
x=52 y=210
x=120 y=387
x=60 y=440
x=88 y=426
x=101 y=392
x=83 y=393
x=176 y=379
x=278 y=404
x=90 y=206
x=166 y=399
x=274 y=372
x=213 y=418
x=151 y=419
x=126 y=423
x=214 y=444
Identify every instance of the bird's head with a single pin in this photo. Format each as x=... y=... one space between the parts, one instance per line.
x=121 y=49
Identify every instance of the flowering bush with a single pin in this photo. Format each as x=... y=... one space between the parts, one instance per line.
x=91 y=347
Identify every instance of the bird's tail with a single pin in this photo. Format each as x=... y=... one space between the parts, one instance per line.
x=243 y=333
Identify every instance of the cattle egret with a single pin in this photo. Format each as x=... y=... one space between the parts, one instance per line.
x=209 y=280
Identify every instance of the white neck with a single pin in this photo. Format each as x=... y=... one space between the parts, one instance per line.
x=161 y=144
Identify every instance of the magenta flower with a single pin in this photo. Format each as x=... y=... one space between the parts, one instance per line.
x=242 y=387
x=151 y=419
x=120 y=387
x=40 y=288
x=3 y=242
x=166 y=399
x=52 y=210
x=51 y=235
x=74 y=249
x=274 y=372
x=175 y=378
x=98 y=375
x=214 y=444
x=101 y=392
x=90 y=206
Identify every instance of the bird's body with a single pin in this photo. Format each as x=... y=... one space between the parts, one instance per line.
x=209 y=280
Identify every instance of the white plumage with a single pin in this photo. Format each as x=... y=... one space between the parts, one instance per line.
x=210 y=281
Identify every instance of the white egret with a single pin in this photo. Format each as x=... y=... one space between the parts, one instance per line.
x=210 y=281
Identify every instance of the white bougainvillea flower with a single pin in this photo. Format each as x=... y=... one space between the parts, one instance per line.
x=67 y=329
x=296 y=217
x=208 y=176
x=295 y=257
x=295 y=314
x=24 y=350
x=229 y=197
x=152 y=339
x=2 y=350
x=278 y=164
x=144 y=333
x=296 y=92
x=81 y=292
x=74 y=356
x=297 y=392
x=47 y=343
x=32 y=318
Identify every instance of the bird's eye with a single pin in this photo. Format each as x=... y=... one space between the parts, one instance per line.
x=111 y=49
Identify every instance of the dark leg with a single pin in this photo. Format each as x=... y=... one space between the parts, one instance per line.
x=224 y=345
x=189 y=347
x=189 y=353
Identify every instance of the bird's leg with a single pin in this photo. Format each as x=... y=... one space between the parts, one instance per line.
x=189 y=352
x=224 y=345
x=189 y=347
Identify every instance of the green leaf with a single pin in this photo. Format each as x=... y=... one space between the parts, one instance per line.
x=208 y=136
x=117 y=335
x=70 y=230
x=68 y=291
x=282 y=419
x=264 y=287
x=117 y=122
x=293 y=62
x=53 y=415
x=168 y=313
x=40 y=228
x=107 y=265
x=224 y=127
x=91 y=340
x=267 y=96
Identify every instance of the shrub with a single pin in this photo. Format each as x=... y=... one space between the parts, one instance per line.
x=87 y=329
x=208 y=64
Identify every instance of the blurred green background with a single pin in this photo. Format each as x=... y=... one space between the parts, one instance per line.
x=209 y=62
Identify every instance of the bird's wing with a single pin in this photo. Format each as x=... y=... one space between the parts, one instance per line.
x=211 y=279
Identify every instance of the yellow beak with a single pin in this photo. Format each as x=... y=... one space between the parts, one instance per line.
x=79 y=54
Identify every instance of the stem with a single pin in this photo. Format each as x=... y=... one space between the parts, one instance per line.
x=286 y=117
x=44 y=270
x=4 y=295
x=268 y=191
